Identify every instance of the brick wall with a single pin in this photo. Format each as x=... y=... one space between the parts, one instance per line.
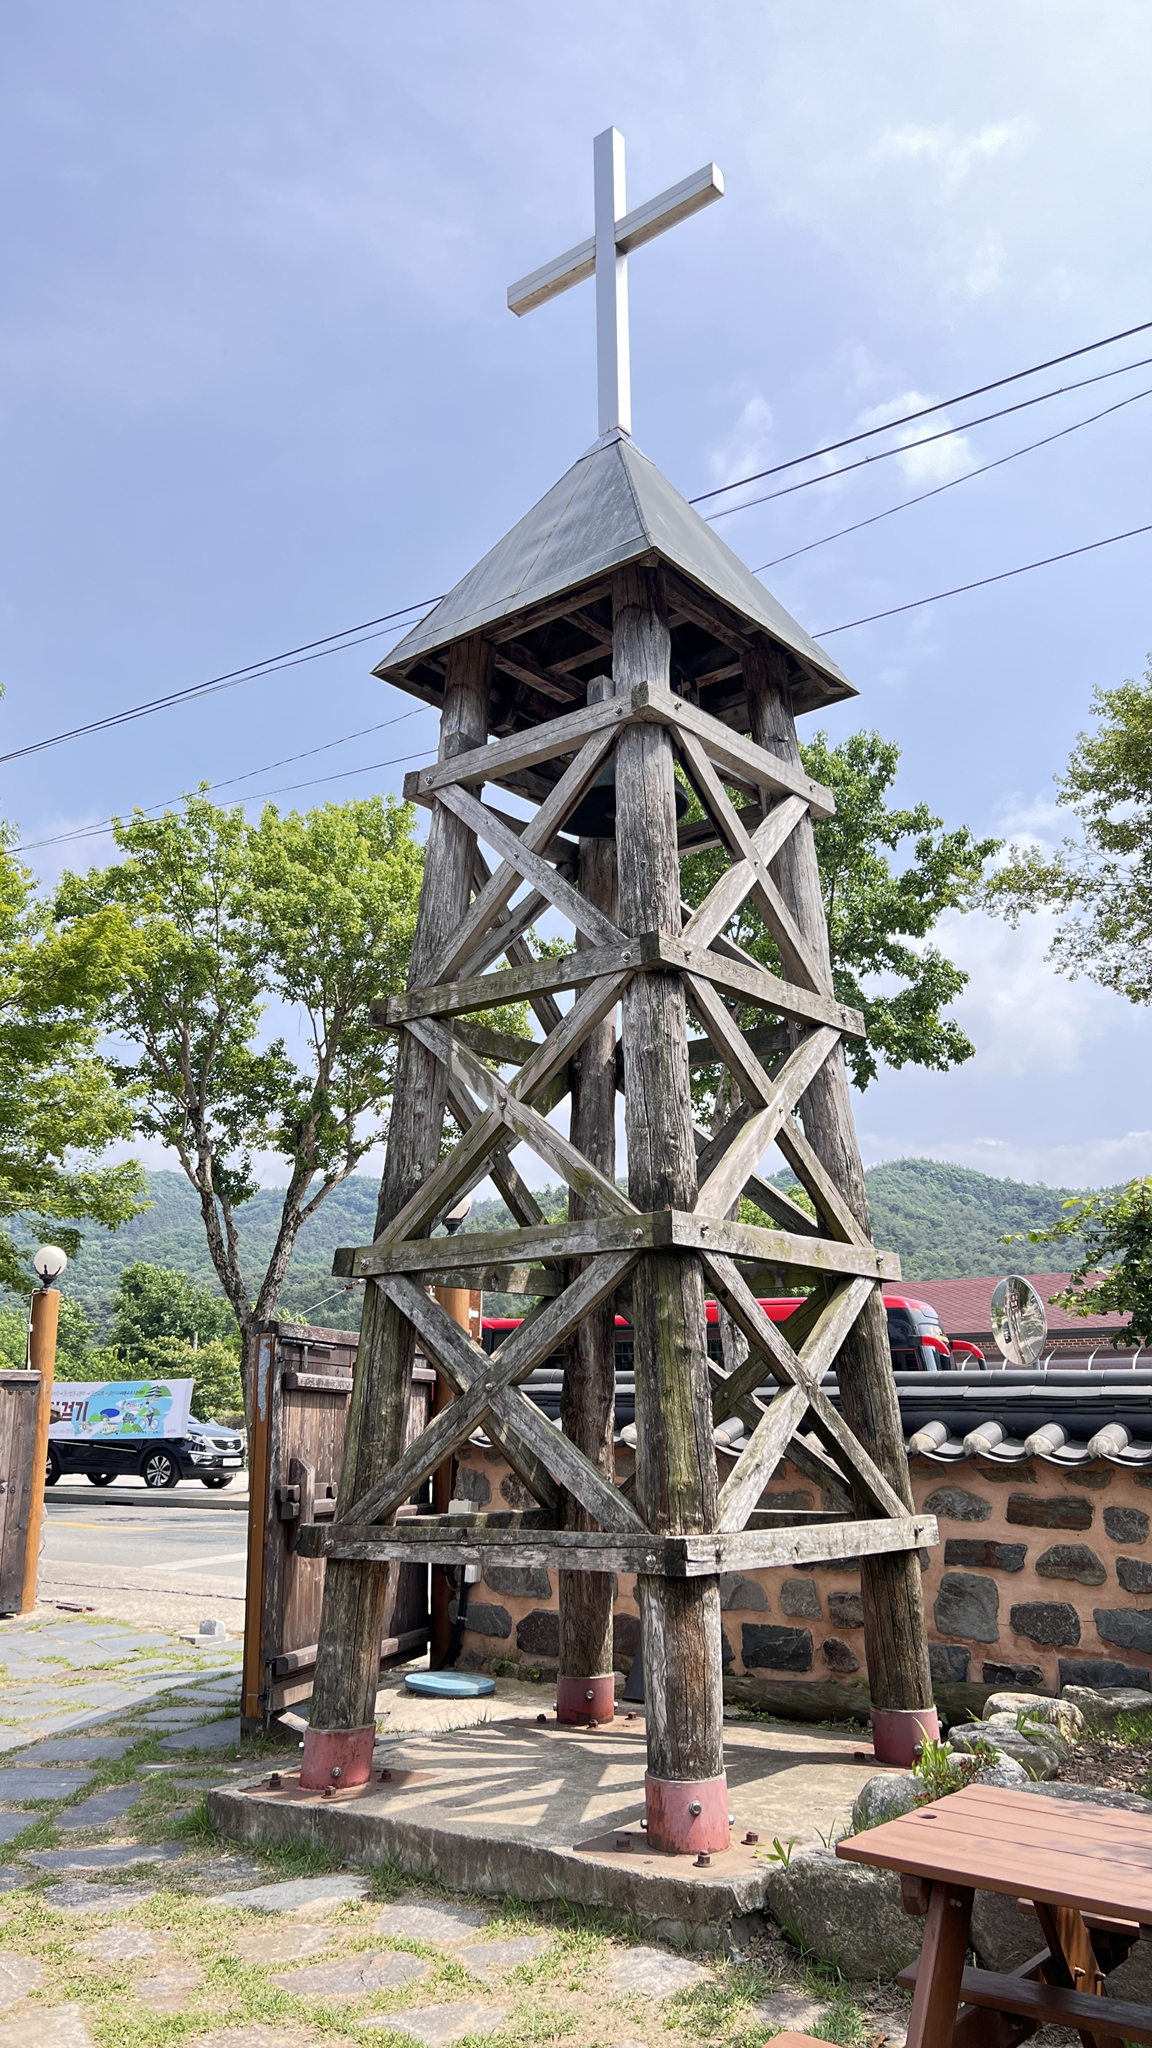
x=1042 y=1577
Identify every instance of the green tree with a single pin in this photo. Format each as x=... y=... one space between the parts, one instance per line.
x=315 y=911
x=1113 y=1275
x=155 y=1304
x=213 y=1368
x=60 y=1105
x=880 y=912
x=1099 y=882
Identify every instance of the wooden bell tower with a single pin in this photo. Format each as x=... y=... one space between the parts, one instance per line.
x=610 y=637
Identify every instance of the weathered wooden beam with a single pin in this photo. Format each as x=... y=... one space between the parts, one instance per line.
x=744 y=763
x=767 y=1445
x=523 y=749
x=659 y=1230
x=586 y=1013
x=832 y=1209
x=801 y=962
x=520 y=662
x=517 y=854
x=728 y=1178
x=670 y=1557
x=534 y=839
x=651 y=951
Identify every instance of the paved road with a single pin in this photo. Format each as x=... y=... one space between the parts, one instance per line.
x=161 y=1570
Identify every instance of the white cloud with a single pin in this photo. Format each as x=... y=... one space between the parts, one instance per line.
x=1087 y=1163
x=1023 y=1017
x=952 y=154
x=927 y=460
x=749 y=444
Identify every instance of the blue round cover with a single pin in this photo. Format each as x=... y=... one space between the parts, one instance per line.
x=449 y=1685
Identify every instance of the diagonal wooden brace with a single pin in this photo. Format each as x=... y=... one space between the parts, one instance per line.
x=726 y=1181
x=516 y=854
x=788 y=1366
x=487 y=1385
x=454 y=956
x=758 y=1461
x=725 y=897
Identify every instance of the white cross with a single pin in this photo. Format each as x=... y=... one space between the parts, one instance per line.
x=605 y=255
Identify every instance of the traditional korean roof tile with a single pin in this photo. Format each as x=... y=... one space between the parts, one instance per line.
x=612 y=507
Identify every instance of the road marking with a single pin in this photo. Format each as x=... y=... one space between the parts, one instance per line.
x=196 y=1564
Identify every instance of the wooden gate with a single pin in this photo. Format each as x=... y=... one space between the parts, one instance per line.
x=19 y=1400
x=303 y=1385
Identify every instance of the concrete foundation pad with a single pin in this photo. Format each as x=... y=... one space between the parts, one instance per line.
x=540 y=1811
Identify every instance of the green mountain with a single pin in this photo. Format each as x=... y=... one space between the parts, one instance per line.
x=946 y=1222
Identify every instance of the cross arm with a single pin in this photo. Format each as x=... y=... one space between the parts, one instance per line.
x=642 y=225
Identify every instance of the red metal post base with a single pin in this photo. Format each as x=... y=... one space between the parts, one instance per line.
x=586 y=1699
x=897 y=1732
x=687 y=1816
x=337 y=1758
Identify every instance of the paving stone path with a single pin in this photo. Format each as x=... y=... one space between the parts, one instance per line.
x=113 y=1883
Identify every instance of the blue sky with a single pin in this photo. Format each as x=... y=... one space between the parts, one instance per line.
x=258 y=382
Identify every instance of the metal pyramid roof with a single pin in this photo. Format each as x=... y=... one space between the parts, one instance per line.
x=613 y=506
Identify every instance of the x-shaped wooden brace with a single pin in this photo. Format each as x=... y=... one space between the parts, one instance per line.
x=487 y=1386
x=799 y=1374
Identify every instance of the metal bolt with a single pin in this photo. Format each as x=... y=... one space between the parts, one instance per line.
x=623 y=1841
x=337 y=1772
x=629 y=1717
x=275 y=1782
x=703 y=1860
x=751 y=1837
x=327 y=1792
x=384 y=1777
x=695 y=1808
x=541 y=1717
x=589 y=1695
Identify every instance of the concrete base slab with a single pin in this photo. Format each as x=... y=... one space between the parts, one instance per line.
x=541 y=1811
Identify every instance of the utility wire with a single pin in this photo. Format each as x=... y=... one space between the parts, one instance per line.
x=293 y=657
x=961 y=398
x=229 y=782
x=905 y=447
x=825 y=632
x=906 y=503
x=258 y=796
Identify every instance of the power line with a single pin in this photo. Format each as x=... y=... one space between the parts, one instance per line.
x=826 y=632
x=293 y=657
x=961 y=398
x=945 y=434
x=230 y=781
x=920 y=499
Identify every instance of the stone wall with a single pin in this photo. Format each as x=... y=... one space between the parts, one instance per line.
x=1042 y=1578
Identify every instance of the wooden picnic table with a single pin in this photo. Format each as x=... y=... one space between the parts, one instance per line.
x=1085 y=1871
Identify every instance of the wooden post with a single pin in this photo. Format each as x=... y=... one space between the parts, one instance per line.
x=348 y=1658
x=42 y=1359
x=585 y=1686
x=686 y=1791
x=455 y=1302
x=895 y=1639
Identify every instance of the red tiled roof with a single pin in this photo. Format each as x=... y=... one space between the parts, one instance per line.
x=964 y=1306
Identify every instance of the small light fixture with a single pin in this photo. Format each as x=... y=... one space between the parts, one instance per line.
x=48 y=1263
x=458 y=1216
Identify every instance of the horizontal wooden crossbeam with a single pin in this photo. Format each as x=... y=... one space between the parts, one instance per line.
x=651 y=950
x=672 y=1557
x=739 y=759
x=659 y=1230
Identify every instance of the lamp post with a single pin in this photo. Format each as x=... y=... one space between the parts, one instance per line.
x=48 y=1263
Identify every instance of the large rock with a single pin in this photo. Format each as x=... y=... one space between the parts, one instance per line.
x=1062 y=1714
x=1100 y=1710
x=799 y=1599
x=983 y=1552
x=1130 y=1628
x=1104 y=1672
x=1126 y=1525
x=847 y=1914
x=1133 y=1980
x=957 y=1504
x=885 y=1797
x=1050 y=1510
x=775 y=1649
x=1135 y=1574
x=1071 y=1561
x=1028 y=1675
x=1002 y=1936
x=968 y=1606
x=738 y=1592
x=1045 y=1621
x=1034 y=1758
x=1094 y=1795
x=949 y=1662
x=1005 y=1771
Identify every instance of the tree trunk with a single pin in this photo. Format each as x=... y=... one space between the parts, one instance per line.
x=352 y=1622
x=675 y=1453
x=588 y=1397
x=893 y=1597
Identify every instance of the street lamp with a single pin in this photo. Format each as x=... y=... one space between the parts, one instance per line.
x=48 y=1263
